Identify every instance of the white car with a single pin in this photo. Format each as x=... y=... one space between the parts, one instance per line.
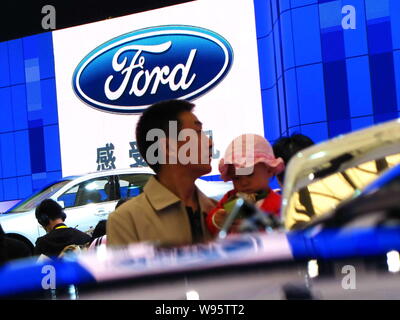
x=87 y=199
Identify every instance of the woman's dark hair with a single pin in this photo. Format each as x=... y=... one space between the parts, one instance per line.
x=121 y=201
x=158 y=116
x=287 y=147
x=99 y=230
x=11 y=249
x=101 y=227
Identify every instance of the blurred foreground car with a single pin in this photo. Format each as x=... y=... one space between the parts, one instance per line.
x=318 y=263
x=351 y=253
x=345 y=250
x=87 y=199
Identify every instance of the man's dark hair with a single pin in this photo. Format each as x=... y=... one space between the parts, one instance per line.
x=158 y=116
x=287 y=147
x=49 y=210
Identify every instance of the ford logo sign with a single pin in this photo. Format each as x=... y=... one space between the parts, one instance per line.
x=137 y=69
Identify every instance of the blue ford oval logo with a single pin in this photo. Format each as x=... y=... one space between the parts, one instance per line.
x=135 y=70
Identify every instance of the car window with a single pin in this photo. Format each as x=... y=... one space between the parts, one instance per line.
x=324 y=195
x=69 y=197
x=91 y=191
x=131 y=185
x=33 y=201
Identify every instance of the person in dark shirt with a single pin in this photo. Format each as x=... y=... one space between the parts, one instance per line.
x=51 y=217
x=100 y=229
x=287 y=147
x=11 y=249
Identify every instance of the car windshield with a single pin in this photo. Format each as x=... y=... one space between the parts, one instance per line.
x=34 y=200
x=324 y=195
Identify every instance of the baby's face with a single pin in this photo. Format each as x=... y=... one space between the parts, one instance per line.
x=257 y=181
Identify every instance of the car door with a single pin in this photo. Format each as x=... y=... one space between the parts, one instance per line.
x=89 y=202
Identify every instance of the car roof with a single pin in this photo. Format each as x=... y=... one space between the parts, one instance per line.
x=87 y=176
x=110 y=172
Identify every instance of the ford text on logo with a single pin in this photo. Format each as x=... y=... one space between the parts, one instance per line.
x=135 y=70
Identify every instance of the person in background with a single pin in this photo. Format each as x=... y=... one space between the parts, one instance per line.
x=99 y=234
x=304 y=208
x=12 y=249
x=171 y=210
x=287 y=147
x=253 y=185
x=51 y=217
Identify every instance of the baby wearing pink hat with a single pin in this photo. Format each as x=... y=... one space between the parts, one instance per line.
x=249 y=162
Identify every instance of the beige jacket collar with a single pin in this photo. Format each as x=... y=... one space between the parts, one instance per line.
x=160 y=197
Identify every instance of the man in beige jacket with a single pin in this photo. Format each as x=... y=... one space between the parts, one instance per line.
x=171 y=210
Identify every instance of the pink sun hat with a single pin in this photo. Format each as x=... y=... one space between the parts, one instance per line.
x=245 y=152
